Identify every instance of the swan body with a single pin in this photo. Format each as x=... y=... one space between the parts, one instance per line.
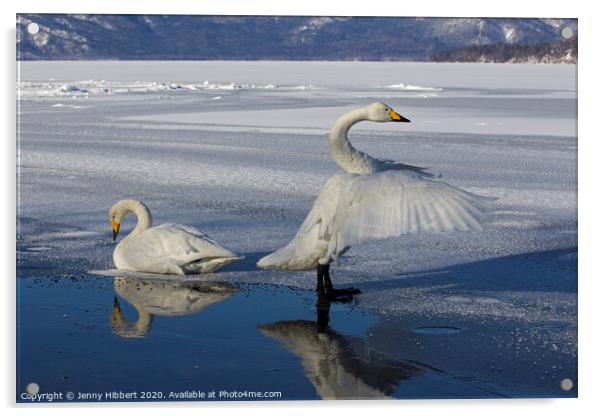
x=373 y=199
x=159 y=297
x=166 y=248
x=340 y=366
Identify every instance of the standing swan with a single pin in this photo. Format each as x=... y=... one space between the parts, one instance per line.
x=166 y=248
x=372 y=199
x=340 y=366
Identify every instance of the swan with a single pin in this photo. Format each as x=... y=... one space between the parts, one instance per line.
x=166 y=248
x=162 y=297
x=340 y=366
x=371 y=199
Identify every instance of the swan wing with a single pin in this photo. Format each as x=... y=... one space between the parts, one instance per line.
x=386 y=164
x=322 y=213
x=310 y=244
x=169 y=248
x=352 y=209
x=183 y=241
x=397 y=202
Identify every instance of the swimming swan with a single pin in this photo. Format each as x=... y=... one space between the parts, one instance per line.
x=371 y=199
x=166 y=248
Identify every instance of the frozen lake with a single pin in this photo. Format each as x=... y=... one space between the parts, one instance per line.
x=239 y=150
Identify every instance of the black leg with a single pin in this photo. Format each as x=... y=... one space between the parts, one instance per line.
x=343 y=291
x=322 y=314
x=325 y=288
x=320 y=276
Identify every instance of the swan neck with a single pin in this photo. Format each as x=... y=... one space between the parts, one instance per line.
x=137 y=329
x=145 y=320
x=143 y=215
x=341 y=149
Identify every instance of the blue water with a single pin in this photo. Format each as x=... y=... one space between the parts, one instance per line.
x=147 y=338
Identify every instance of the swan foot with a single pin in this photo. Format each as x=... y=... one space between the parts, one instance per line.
x=336 y=297
x=345 y=291
x=327 y=291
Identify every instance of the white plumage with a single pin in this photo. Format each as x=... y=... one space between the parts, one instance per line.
x=166 y=248
x=339 y=366
x=158 y=297
x=373 y=199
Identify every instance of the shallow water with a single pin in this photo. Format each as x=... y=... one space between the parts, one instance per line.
x=163 y=337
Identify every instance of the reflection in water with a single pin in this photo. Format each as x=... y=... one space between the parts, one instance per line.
x=152 y=297
x=339 y=366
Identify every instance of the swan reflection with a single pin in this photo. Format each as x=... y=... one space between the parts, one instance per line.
x=339 y=366
x=162 y=297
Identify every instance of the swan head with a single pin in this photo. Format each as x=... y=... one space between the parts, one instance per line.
x=381 y=112
x=116 y=214
x=117 y=318
x=120 y=209
x=120 y=325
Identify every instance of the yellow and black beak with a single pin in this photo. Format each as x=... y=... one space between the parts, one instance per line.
x=115 y=225
x=116 y=306
x=116 y=318
x=395 y=116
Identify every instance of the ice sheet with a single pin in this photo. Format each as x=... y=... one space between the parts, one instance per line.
x=245 y=168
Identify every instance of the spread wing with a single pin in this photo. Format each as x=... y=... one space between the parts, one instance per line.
x=386 y=164
x=325 y=207
x=397 y=202
x=352 y=209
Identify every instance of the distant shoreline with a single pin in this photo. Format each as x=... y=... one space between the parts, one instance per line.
x=292 y=38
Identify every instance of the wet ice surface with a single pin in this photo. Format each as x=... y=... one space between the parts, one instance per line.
x=242 y=157
x=173 y=336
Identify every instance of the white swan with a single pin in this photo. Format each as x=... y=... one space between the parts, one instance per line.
x=166 y=248
x=158 y=297
x=372 y=199
x=340 y=366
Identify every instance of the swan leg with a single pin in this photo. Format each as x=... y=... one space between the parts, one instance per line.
x=325 y=288
x=320 y=283
x=322 y=314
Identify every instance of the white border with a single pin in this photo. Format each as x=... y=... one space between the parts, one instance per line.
x=506 y=8
x=589 y=188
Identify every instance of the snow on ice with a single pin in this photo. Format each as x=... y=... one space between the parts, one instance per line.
x=246 y=165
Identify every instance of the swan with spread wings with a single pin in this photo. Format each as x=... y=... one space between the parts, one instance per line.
x=372 y=199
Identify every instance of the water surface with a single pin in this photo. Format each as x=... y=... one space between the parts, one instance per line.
x=160 y=336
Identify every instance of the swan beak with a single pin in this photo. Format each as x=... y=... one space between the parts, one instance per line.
x=115 y=225
x=116 y=309
x=395 y=116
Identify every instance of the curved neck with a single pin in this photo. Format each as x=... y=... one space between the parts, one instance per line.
x=138 y=329
x=144 y=322
x=342 y=151
x=141 y=212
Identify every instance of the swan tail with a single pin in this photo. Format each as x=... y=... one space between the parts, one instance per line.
x=286 y=259
x=209 y=265
x=277 y=260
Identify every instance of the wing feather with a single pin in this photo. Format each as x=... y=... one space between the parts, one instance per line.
x=394 y=203
x=352 y=209
x=172 y=245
